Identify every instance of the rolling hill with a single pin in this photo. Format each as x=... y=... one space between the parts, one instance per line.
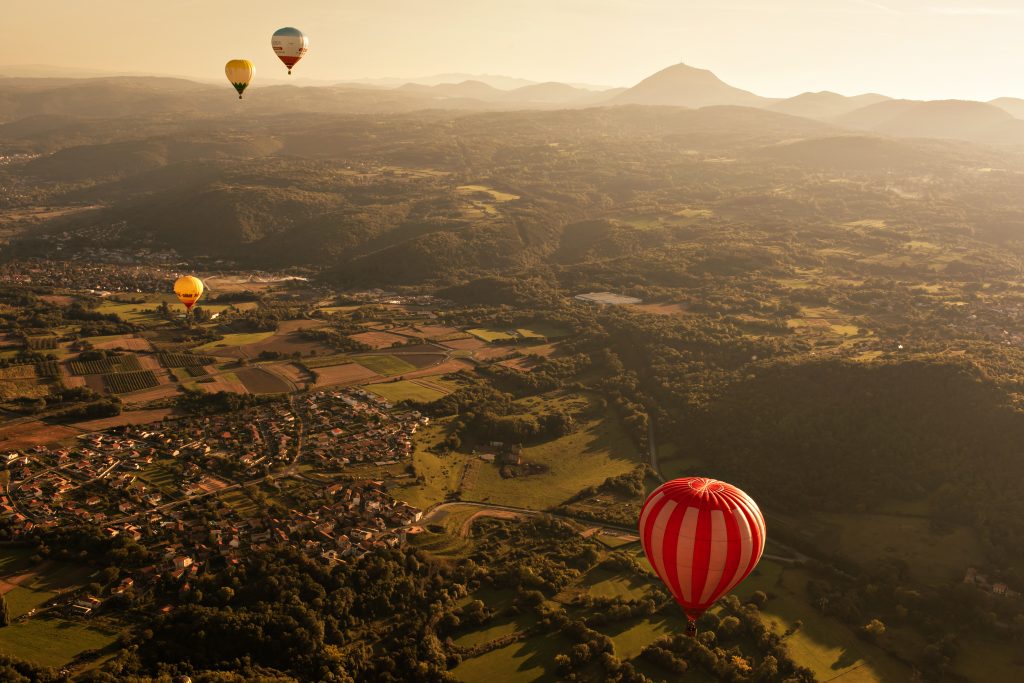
x=957 y=119
x=684 y=86
x=824 y=105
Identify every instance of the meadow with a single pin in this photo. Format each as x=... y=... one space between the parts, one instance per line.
x=384 y=364
x=599 y=448
x=409 y=390
x=53 y=642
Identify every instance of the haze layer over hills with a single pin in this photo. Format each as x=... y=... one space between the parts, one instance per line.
x=368 y=180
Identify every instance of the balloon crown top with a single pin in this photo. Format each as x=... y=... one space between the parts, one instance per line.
x=705 y=485
x=705 y=489
x=288 y=31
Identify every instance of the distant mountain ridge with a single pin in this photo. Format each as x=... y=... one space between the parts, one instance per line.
x=1000 y=121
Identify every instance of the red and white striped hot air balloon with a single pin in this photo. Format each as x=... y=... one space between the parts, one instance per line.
x=702 y=536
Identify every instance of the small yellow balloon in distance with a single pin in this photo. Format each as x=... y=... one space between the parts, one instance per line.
x=188 y=288
x=239 y=73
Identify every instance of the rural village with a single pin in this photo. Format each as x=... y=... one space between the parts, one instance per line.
x=147 y=484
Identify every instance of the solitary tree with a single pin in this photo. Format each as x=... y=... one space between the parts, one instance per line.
x=5 y=612
x=875 y=628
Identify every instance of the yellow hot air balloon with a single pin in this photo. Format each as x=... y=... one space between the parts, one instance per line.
x=188 y=288
x=239 y=72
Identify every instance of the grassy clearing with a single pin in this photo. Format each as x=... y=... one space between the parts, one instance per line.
x=492 y=335
x=530 y=660
x=613 y=542
x=440 y=545
x=483 y=189
x=867 y=223
x=500 y=626
x=406 y=390
x=694 y=213
x=595 y=451
x=632 y=637
x=34 y=591
x=325 y=361
x=978 y=660
x=235 y=339
x=607 y=584
x=441 y=473
x=824 y=645
x=139 y=314
x=934 y=558
x=542 y=331
x=52 y=642
x=384 y=364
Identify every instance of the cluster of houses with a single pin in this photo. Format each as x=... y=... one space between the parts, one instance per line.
x=134 y=483
x=974 y=578
x=355 y=426
x=95 y=276
x=383 y=296
x=243 y=441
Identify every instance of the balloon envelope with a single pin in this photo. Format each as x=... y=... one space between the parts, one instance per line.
x=702 y=536
x=188 y=288
x=239 y=73
x=290 y=45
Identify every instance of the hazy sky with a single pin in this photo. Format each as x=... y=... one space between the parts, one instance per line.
x=905 y=48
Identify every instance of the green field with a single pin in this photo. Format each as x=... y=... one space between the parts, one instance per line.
x=824 y=645
x=541 y=331
x=406 y=390
x=42 y=639
x=440 y=545
x=632 y=637
x=980 y=660
x=529 y=660
x=325 y=361
x=234 y=339
x=384 y=364
x=934 y=558
x=499 y=626
x=490 y=335
x=495 y=195
x=138 y=314
x=607 y=584
x=34 y=591
x=36 y=584
x=441 y=473
x=613 y=542
x=52 y=642
x=595 y=451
